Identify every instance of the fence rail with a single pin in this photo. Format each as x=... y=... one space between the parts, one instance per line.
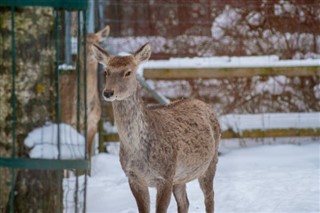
x=268 y=125
x=229 y=134
x=207 y=73
x=228 y=67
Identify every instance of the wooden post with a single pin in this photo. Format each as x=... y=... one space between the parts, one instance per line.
x=101 y=146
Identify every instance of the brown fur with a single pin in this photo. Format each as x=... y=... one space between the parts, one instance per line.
x=68 y=91
x=162 y=147
x=120 y=61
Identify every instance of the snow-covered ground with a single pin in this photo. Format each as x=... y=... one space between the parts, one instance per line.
x=268 y=178
x=282 y=177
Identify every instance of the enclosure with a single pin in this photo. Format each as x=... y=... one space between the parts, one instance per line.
x=262 y=59
x=41 y=158
x=256 y=63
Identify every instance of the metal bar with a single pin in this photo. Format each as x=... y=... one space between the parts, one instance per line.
x=101 y=24
x=57 y=84
x=78 y=70
x=76 y=192
x=160 y=98
x=43 y=164
x=91 y=17
x=68 y=47
x=101 y=5
x=85 y=77
x=13 y=86
x=57 y=4
x=14 y=106
x=58 y=112
x=84 y=12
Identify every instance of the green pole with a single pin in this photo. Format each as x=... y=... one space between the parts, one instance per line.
x=57 y=85
x=85 y=99
x=57 y=77
x=13 y=92
x=78 y=71
x=14 y=107
x=85 y=77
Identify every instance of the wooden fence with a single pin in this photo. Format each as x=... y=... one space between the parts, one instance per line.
x=231 y=68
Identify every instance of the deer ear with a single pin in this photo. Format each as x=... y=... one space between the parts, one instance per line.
x=103 y=34
x=101 y=55
x=143 y=54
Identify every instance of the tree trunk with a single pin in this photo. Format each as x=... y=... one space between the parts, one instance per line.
x=34 y=190
x=38 y=191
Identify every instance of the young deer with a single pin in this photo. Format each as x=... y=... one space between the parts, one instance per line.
x=68 y=91
x=161 y=146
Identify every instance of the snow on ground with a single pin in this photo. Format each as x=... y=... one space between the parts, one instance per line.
x=269 y=178
x=259 y=178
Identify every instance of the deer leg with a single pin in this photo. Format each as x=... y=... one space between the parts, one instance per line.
x=163 y=196
x=141 y=194
x=91 y=132
x=206 y=184
x=181 y=197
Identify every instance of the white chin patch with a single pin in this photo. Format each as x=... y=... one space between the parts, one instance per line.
x=109 y=99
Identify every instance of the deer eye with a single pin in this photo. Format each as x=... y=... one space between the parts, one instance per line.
x=127 y=74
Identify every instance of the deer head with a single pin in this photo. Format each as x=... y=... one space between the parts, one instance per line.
x=120 y=71
x=96 y=38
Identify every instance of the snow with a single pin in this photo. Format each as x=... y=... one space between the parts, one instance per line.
x=240 y=122
x=109 y=128
x=268 y=178
x=228 y=19
x=43 y=142
x=66 y=67
x=226 y=62
x=277 y=178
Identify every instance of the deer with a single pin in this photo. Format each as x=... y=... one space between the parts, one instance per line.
x=160 y=146
x=68 y=91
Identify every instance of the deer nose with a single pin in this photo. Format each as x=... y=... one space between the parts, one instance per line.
x=108 y=93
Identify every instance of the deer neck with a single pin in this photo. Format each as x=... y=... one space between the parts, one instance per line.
x=92 y=72
x=130 y=117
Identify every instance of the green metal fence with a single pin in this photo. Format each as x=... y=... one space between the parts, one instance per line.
x=39 y=170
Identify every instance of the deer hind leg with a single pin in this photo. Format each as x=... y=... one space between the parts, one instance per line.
x=164 y=191
x=180 y=194
x=206 y=184
x=141 y=194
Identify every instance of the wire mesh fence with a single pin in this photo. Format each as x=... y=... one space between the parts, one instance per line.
x=180 y=29
x=43 y=161
x=214 y=30
x=43 y=63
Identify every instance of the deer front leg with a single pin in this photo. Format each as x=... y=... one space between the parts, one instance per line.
x=163 y=196
x=141 y=194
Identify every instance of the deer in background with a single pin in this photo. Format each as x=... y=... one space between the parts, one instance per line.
x=68 y=91
x=161 y=146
